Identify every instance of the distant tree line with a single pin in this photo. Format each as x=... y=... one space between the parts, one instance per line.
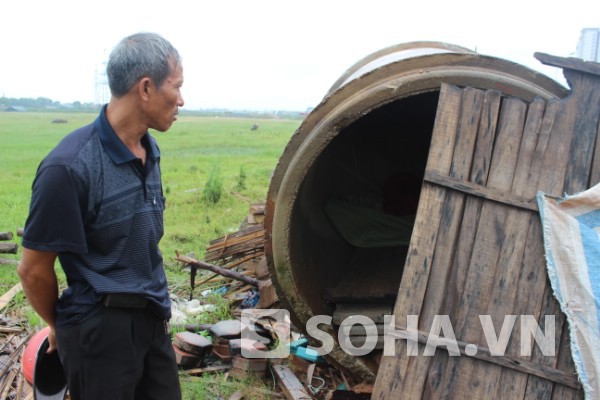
x=44 y=103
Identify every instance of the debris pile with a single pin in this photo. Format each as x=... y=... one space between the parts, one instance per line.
x=13 y=339
x=258 y=342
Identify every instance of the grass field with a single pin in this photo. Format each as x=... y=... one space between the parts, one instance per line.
x=194 y=152
x=241 y=159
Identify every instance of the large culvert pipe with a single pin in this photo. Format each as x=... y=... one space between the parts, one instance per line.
x=366 y=145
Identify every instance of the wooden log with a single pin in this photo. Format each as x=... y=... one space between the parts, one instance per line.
x=8 y=248
x=20 y=232
x=6 y=235
x=219 y=270
x=233 y=264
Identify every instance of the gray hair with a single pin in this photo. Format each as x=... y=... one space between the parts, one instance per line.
x=137 y=56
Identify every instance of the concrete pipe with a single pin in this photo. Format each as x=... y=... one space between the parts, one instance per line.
x=366 y=144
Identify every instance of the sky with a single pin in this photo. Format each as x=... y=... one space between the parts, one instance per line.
x=266 y=54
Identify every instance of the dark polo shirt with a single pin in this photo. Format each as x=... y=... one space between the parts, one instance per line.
x=101 y=210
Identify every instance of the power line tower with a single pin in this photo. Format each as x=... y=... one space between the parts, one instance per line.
x=101 y=92
x=588 y=46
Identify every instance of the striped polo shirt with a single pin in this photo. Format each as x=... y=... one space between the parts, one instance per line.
x=96 y=205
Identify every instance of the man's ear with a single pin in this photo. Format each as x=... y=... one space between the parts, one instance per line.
x=145 y=88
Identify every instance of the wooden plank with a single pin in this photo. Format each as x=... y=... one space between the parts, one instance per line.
x=538 y=388
x=475 y=106
x=471 y=108
x=570 y=63
x=513 y=294
x=391 y=378
x=477 y=281
x=555 y=159
x=558 y=122
x=485 y=137
x=481 y=271
x=484 y=354
x=238 y=244
x=8 y=296
x=533 y=147
x=533 y=294
x=487 y=257
x=252 y=232
x=462 y=252
x=290 y=385
x=565 y=361
x=585 y=131
x=455 y=268
x=484 y=192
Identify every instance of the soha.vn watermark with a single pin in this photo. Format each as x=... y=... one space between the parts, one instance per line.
x=372 y=335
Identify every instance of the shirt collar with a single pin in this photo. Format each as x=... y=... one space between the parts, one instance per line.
x=115 y=148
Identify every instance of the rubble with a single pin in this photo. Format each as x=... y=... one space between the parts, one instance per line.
x=238 y=261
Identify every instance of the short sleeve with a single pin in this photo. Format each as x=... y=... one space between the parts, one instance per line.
x=55 y=221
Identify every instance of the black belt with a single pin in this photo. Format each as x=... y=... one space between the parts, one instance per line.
x=125 y=300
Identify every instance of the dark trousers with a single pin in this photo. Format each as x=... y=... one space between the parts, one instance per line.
x=119 y=354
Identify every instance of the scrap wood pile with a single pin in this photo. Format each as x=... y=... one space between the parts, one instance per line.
x=240 y=258
x=14 y=337
x=228 y=347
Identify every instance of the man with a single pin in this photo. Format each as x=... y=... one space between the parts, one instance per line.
x=97 y=205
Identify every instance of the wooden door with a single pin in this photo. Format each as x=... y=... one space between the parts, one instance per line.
x=477 y=246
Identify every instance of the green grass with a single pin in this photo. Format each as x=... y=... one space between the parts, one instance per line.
x=218 y=386
x=190 y=150
x=193 y=148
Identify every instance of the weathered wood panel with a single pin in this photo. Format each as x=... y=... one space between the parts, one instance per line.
x=421 y=249
x=477 y=247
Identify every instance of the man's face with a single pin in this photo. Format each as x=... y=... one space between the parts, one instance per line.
x=166 y=100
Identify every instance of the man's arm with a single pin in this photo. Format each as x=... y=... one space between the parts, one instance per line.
x=40 y=285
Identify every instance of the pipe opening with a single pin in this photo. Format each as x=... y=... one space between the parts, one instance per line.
x=343 y=250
